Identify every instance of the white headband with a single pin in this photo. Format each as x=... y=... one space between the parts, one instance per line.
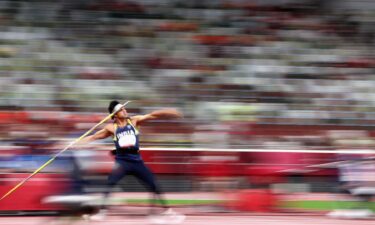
x=119 y=106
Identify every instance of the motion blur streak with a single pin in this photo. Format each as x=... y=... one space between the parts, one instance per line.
x=259 y=82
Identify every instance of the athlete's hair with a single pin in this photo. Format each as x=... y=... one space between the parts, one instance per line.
x=112 y=105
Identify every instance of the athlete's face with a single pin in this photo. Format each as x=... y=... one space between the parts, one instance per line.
x=122 y=113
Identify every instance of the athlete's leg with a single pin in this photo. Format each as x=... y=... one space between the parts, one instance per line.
x=168 y=215
x=145 y=175
x=119 y=170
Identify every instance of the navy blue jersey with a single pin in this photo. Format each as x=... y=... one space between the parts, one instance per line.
x=126 y=140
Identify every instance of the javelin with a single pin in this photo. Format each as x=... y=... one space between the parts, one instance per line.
x=59 y=153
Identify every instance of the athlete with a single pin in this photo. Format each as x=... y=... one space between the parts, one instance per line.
x=125 y=133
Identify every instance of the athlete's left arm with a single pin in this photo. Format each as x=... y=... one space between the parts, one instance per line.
x=157 y=114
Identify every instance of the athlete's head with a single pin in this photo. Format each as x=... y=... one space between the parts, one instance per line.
x=117 y=106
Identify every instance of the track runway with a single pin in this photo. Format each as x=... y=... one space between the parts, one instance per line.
x=193 y=220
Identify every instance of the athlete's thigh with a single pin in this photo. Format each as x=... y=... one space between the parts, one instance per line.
x=143 y=173
x=120 y=170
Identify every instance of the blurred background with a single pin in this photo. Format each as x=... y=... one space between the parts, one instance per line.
x=251 y=77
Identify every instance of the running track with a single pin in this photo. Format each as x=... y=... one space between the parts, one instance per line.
x=193 y=220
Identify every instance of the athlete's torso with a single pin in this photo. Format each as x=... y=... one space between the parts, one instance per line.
x=126 y=140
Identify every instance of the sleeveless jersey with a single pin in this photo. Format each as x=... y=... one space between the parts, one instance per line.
x=126 y=140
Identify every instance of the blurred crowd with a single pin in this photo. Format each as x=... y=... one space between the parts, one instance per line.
x=259 y=74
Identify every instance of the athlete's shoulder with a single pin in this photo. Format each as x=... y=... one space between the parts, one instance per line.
x=110 y=127
x=135 y=119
